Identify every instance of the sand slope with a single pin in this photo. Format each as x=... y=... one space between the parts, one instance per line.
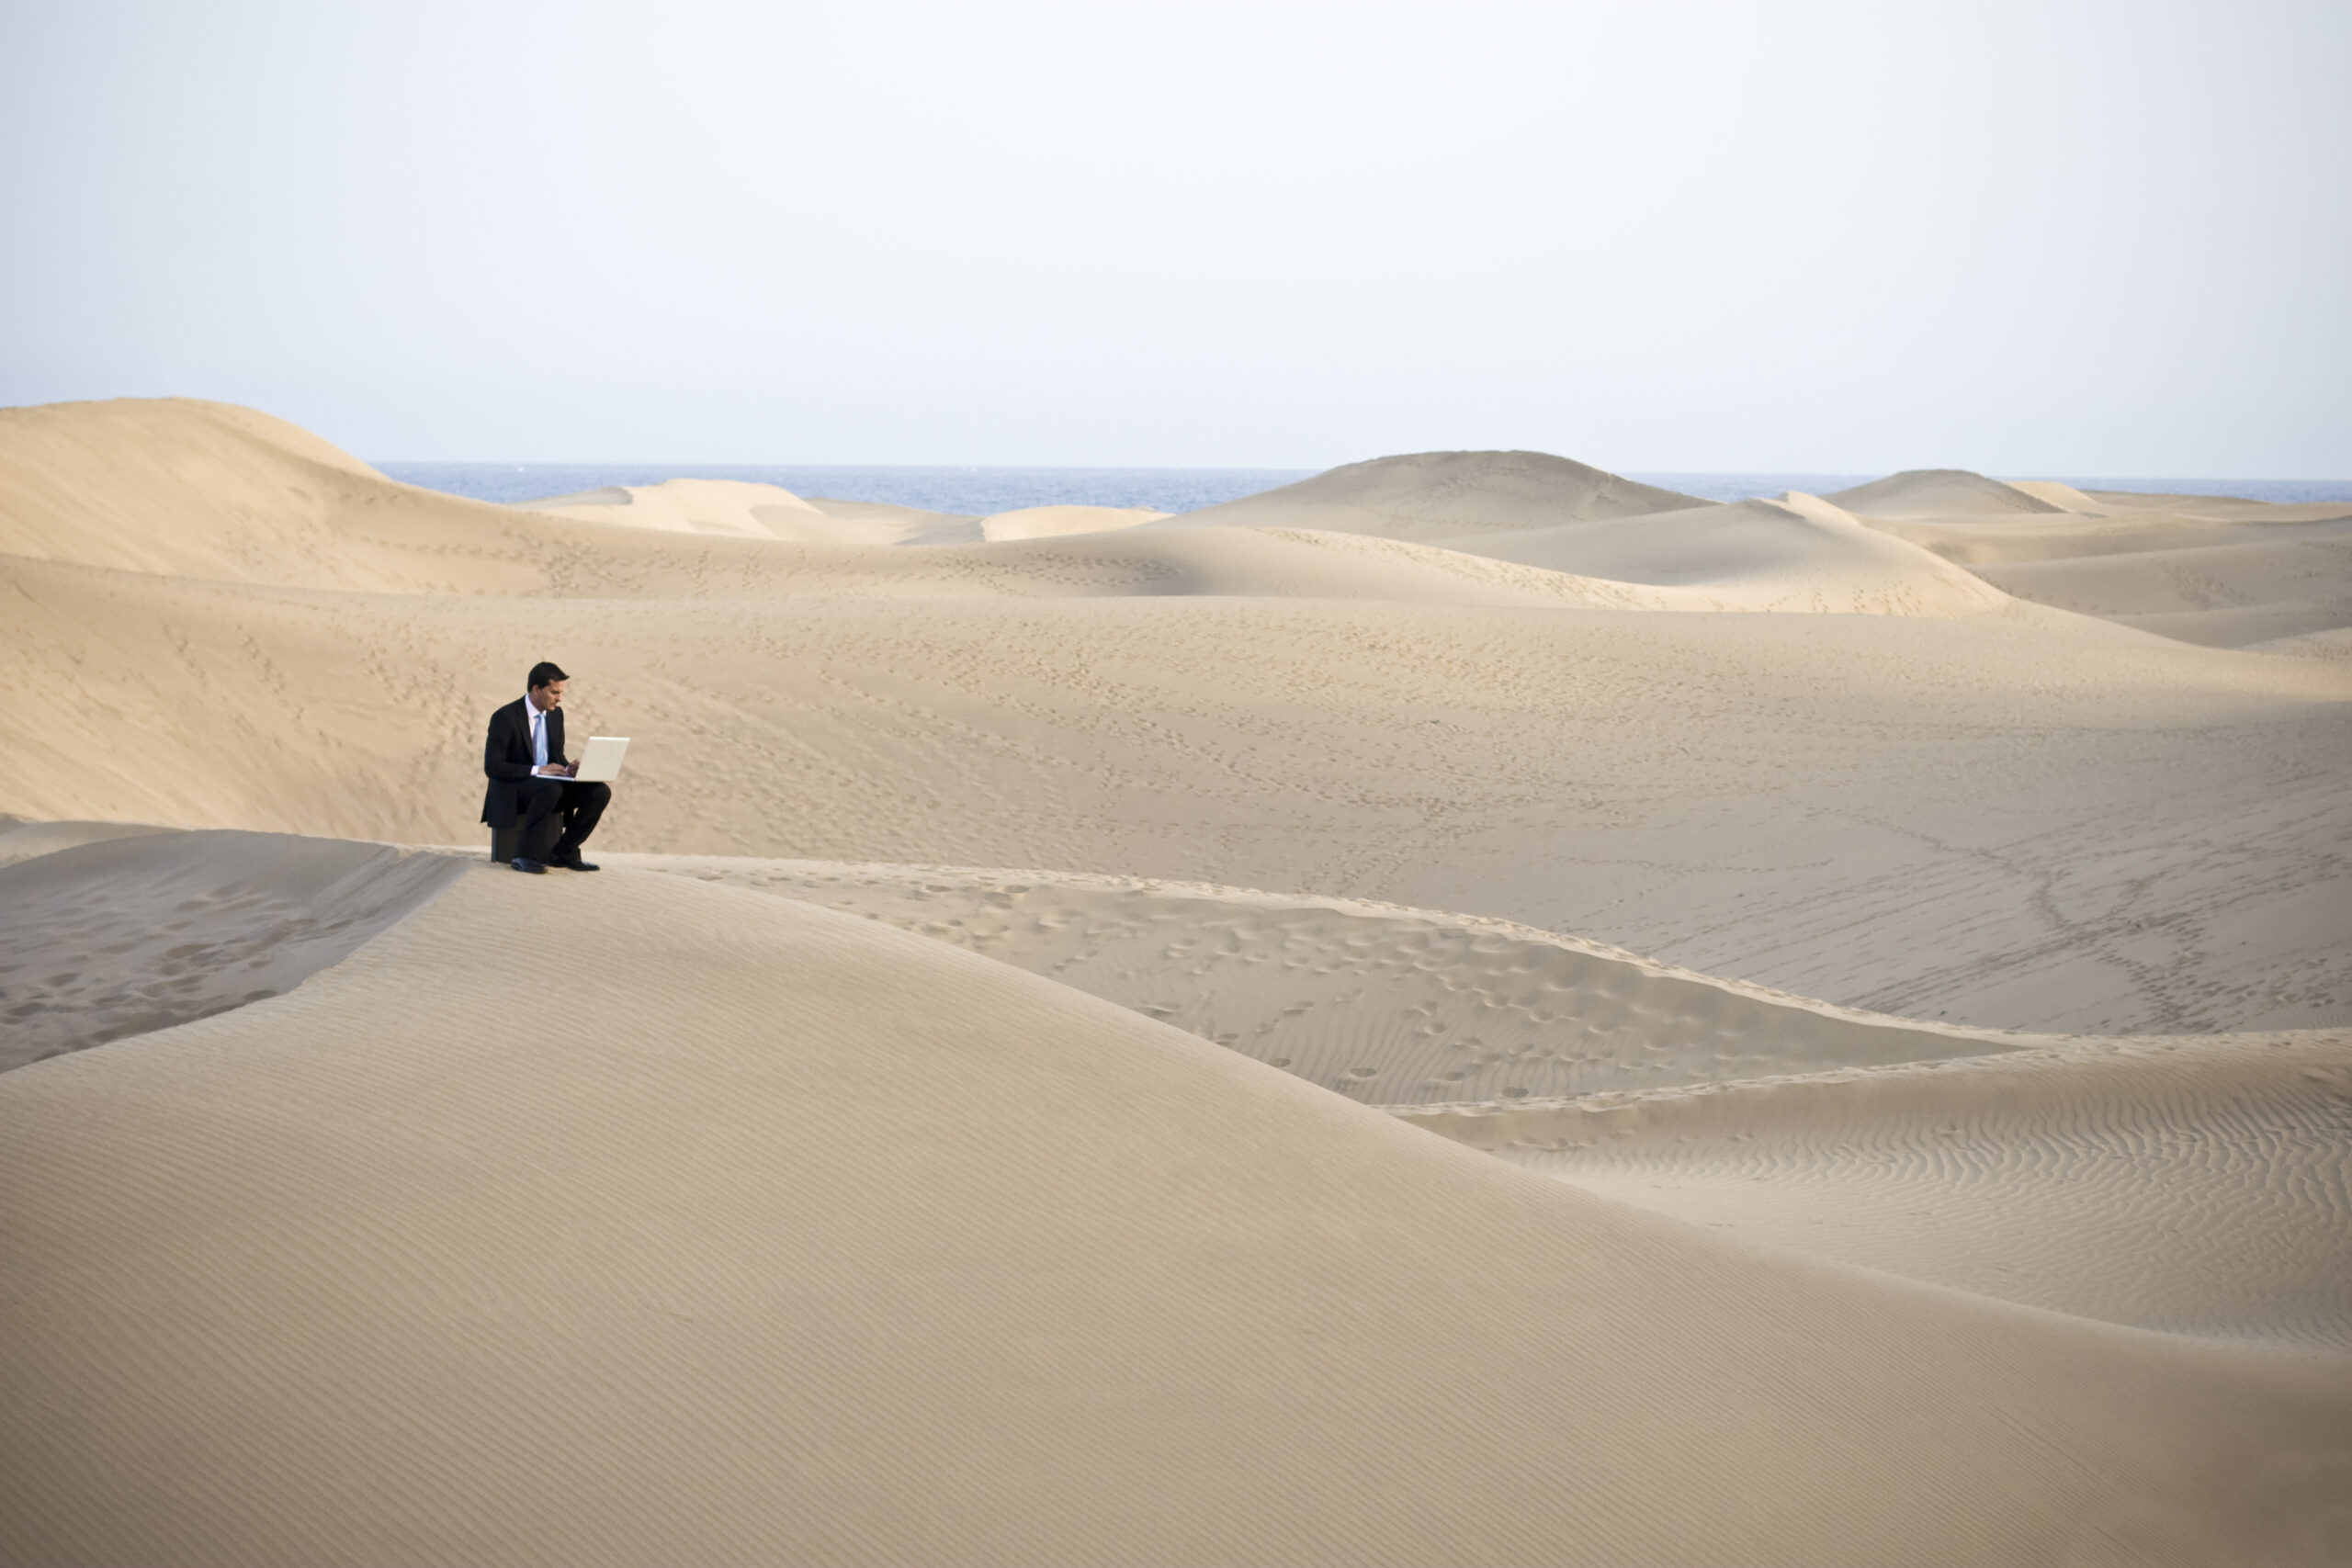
x=1794 y=553
x=2197 y=1186
x=2003 y=820
x=2245 y=576
x=139 y=932
x=802 y=1240
x=1388 y=1005
x=2247 y=591
x=1433 y=496
x=210 y=490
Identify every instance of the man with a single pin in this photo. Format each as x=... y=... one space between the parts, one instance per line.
x=531 y=786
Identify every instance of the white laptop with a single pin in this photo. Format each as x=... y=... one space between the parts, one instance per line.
x=600 y=763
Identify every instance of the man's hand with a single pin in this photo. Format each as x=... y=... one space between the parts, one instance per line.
x=556 y=770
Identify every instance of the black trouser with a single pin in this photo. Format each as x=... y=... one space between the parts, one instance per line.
x=544 y=802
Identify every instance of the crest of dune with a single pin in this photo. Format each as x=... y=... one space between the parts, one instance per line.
x=1433 y=496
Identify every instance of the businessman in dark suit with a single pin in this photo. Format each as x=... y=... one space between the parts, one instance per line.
x=531 y=786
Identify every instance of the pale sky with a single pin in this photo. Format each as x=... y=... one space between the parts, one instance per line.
x=2045 y=238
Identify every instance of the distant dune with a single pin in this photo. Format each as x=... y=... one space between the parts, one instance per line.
x=1432 y=496
x=708 y=506
x=2202 y=568
x=1940 y=493
x=2065 y=497
x=739 y=509
x=1053 y=521
x=1463 y=1010
x=1796 y=553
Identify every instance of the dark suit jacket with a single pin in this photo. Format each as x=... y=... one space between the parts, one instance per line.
x=507 y=760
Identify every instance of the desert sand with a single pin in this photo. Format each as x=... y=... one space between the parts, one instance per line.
x=1463 y=1010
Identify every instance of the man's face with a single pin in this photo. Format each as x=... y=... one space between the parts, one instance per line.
x=548 y=697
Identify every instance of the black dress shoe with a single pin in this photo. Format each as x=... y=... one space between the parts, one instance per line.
x=522 y=863
x=572 y=862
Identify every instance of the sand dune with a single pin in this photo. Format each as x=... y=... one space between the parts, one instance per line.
x=1053 y=522
x=1795 y=553
x=2196 y=1187
x=808 y=1240
x=2226 y=596
x=2334 y=644
x=739 y=509
x=1434 y=496
x=213 y=492
x=2226 y=575
x=731 y=507
x=1941 y=492
x=2065 y=497
x=406 y=1208
x=914 y=524
x=770 y=512
x=1388 y=1005
x=2188 y=1187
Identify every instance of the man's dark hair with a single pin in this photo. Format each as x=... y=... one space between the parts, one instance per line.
x=543 y=673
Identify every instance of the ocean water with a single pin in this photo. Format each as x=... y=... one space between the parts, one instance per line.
x=976 y=491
